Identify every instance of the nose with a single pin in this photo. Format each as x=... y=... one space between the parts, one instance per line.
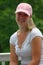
x=21 y=16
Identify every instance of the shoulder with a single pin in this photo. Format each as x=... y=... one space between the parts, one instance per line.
x=35 y=32
x=13 y=38
x=13 y=35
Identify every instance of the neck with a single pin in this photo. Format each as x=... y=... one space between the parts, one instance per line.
x=24 y=30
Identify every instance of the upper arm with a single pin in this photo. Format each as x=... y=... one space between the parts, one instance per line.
x=36 y=48
x=13 y=56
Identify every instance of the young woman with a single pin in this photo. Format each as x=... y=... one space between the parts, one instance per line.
x=26 y=42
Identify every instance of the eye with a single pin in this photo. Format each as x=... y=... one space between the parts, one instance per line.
x=25 y=14
x=19 y=14
x=22 y=13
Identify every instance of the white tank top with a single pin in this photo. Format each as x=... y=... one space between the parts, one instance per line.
x=25 y=53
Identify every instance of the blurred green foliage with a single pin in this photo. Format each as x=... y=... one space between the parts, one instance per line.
x=8 y=23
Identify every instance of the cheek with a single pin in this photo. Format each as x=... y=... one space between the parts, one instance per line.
x=17 y=17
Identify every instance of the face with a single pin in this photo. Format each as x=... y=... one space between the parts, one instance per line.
x=21 y=18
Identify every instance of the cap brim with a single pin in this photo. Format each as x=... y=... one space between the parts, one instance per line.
x=22 y=11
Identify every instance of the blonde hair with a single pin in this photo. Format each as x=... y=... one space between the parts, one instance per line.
x=30 y=23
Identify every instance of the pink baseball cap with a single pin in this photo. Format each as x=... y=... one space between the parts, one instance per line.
x=24 y=7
